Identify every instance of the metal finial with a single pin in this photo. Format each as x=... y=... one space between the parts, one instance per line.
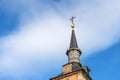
x=72 y=19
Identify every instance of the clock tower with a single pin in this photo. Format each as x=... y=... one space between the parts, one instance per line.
x=73 y=70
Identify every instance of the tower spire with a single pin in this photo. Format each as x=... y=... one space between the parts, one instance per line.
x=73 y=42
x=73 y=52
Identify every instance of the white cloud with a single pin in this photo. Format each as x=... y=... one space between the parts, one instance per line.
x=42 y=36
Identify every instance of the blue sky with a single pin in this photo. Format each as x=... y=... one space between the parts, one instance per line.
x=35 y=34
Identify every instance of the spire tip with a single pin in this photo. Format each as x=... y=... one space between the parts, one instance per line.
x=72 y=25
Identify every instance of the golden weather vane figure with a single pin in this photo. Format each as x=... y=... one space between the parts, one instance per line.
x=72 y=19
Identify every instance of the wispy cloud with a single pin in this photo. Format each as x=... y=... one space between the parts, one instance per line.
x=44 y=31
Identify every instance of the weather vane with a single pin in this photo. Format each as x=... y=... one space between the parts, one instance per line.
x=72 y=19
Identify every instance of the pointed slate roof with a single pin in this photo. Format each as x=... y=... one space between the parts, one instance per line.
x=73 y=42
